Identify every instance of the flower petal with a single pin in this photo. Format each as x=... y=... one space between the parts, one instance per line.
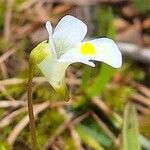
x=73 y=56
x=55 y=74
x=87 y=63
x=108 y=52
x=53 y=71
x=102 y=49
x=49 y=30
x=68 y=33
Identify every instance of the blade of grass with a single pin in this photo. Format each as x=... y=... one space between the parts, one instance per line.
x=101 y=80
x=145 y=142
x=86 y=76
x=105 y=73
x=86 y=135
x=130 y=129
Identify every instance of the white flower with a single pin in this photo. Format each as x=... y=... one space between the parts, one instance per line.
x=66 y=47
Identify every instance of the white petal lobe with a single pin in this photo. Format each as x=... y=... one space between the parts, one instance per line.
x=103 y=49
x=69 y=32
x=49 y=28
x=108 y=52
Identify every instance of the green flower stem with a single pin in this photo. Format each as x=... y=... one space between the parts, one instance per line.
x=30 y=106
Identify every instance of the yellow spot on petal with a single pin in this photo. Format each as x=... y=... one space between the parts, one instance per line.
x=87 y=48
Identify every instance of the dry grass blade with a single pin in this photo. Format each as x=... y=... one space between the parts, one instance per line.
x=62 y=128
x=87 y=2
x=111 y=114
x=4 y=70
x=27 y=5
x=100 y=104
x=23 y=123
x=142 y=109
x=4 y=91
x=8 y=17
x=14 y=81
x=54 y=147
x=60 y=9
x=6 y=104
x=17 y=103
x=9 y=118
x=76 y=138
x=141 y=99
x=104 y=127
x=59 y=131
x=80 y=118
x=74 y=134
x=143 y=89
x=7 y=54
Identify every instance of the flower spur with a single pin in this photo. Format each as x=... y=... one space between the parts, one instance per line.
x=65 y=47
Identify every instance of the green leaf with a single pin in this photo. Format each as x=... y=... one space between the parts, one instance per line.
x=101 y=80
x=86 y=135
x=130 y=129
x=145 y=142
x=85 y=77
x=106 y=28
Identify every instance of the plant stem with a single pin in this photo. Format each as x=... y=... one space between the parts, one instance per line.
x=30 y=107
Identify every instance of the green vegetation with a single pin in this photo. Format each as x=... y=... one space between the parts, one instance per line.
x=99 y=116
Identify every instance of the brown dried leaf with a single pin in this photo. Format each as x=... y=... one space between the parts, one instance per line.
x=120 y=24
x=132 y=35
x=129 y=11
x=146 y=39
x=146 y=23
